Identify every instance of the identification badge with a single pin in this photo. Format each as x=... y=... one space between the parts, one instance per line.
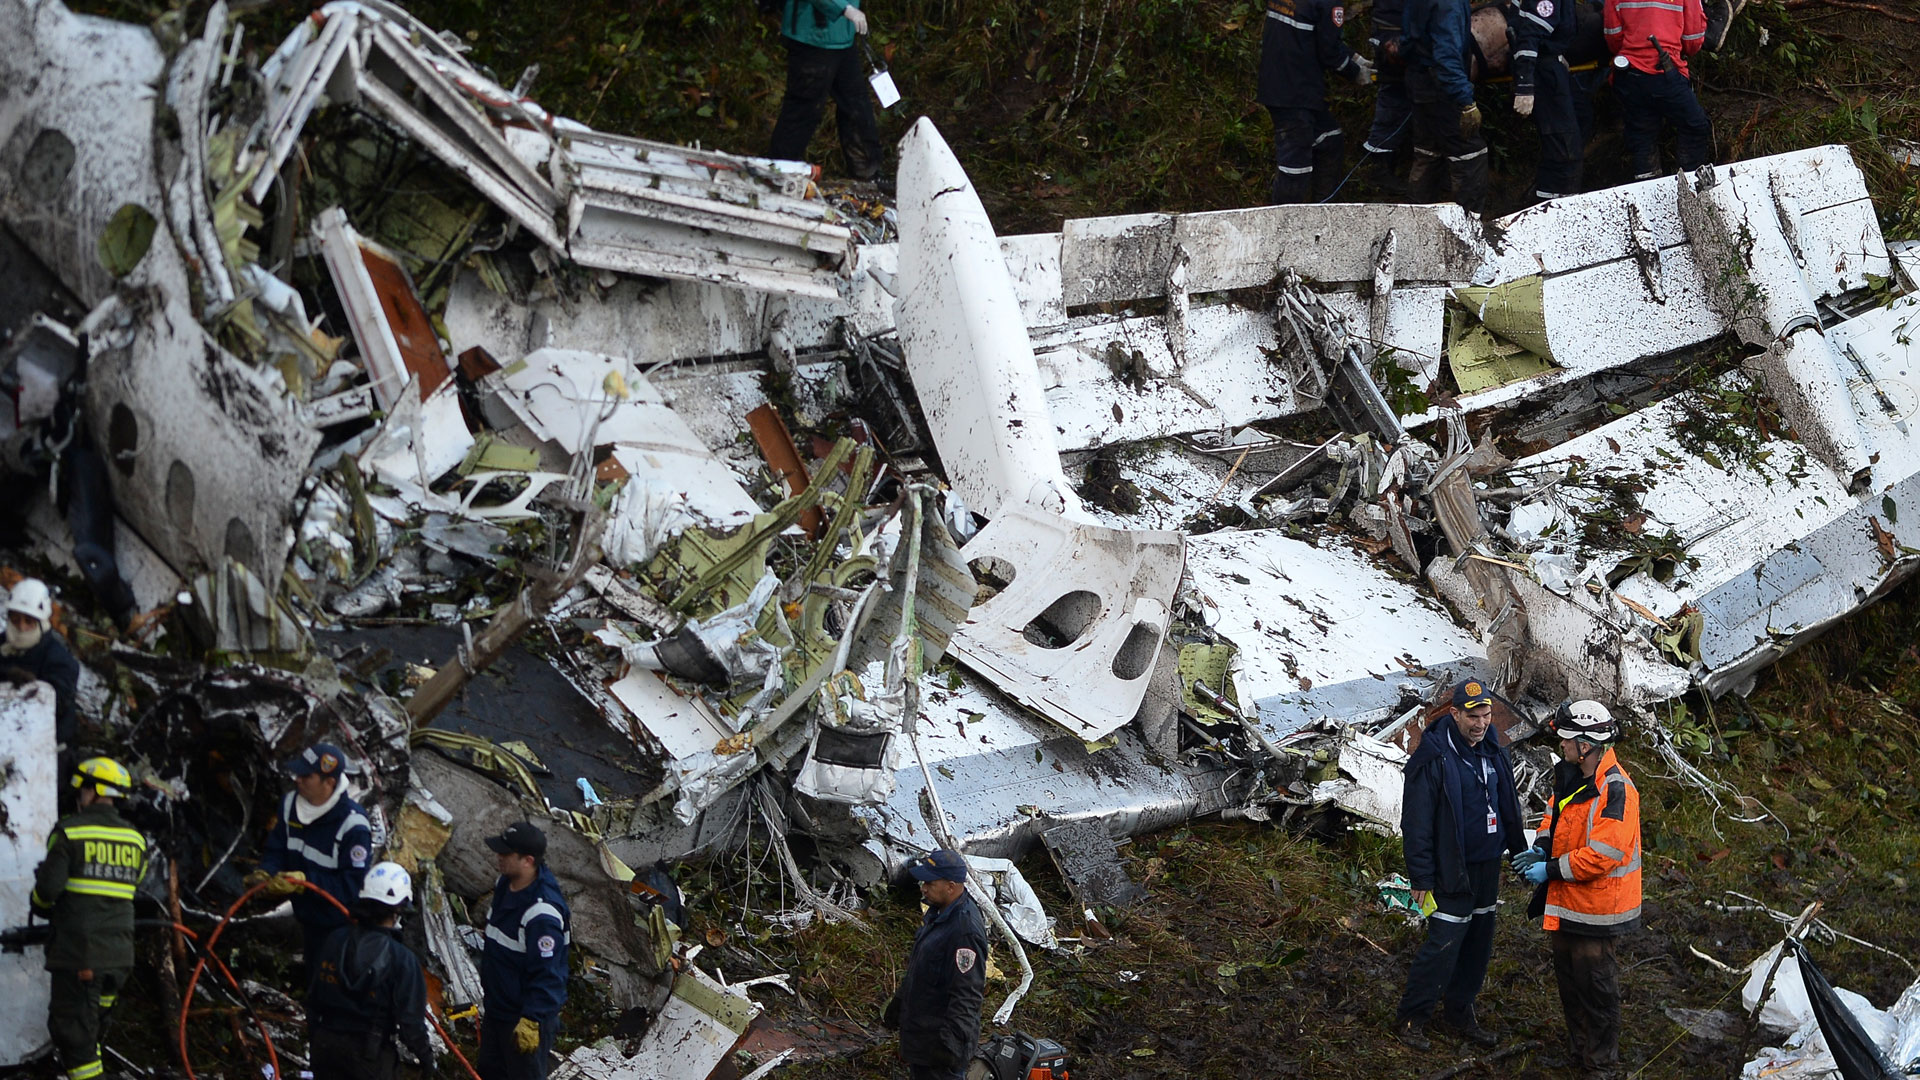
x=1493 y=822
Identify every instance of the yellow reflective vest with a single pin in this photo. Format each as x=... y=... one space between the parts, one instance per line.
x=85 y=887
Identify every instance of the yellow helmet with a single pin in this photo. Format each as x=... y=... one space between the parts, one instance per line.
x=108 y=777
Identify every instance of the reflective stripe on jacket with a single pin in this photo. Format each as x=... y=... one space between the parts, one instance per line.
x=335 y=851
x=94 y=864
x=1680 y=26
x=1593 y=882
x=524 y=968
x=1301 y=41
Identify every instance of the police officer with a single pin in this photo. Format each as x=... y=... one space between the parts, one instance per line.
x=937 y=1007
x=322 y=836
x=1543 y=88
x=1392 y=110
x=1300 y=43
x=1459 y=813
x=1446 y=122
x=32 y=651
x=1651 y=41
x=1586 y=860
x=94 y=863
x=367 y=989
x=524 y=969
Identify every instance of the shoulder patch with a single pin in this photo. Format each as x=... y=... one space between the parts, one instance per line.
x=358 y=855
x=545 y=944
x=964 y=959
x=1615 y=806
x=1339 y=16
x=1544 y=8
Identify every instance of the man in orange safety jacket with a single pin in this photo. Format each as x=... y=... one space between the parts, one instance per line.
x=1587 y=860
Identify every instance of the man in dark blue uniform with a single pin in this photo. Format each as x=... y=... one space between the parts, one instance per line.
x=367 y=989
x=937 y=1007
x=1458 y=813
x=1392 y=110
x=1543 y=88
x=1446 y=122
x=1301 y=42
x=322 y=836
x=523 y=972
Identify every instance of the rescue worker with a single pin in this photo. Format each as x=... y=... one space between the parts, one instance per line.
x=523 y=972
x=1543 y=88
x=1587 y=860
x=1446 y=121
x=937 y=1007
x=822 y=62
x=1392 y=111
x=32 y=651
x=1459 y=814
x=321 y=836
x=1651 y=41
x=368 y=990
x=1299 y=44
x=85 y=888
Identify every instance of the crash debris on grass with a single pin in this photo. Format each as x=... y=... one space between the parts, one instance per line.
x=357 y=374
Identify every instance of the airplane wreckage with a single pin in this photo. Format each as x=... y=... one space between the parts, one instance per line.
x=353 y=367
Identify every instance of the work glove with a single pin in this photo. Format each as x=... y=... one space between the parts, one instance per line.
x=1523 y=104
x=258 y=877
x=857 y=17
x=1537 y=873
x=526 y=1033
x=285 y=884
x=890 y=1016
x=1362 y=73
x=1527 y=858
x=1470 y=121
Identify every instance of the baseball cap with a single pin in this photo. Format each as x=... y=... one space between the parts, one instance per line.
x=939 y=865
x=323 y=758
x=519 y=838
x=1471 y=694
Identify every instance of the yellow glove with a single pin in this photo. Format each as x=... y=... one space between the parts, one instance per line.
x=526 y=1035
x=258 y=877
x=285 y=884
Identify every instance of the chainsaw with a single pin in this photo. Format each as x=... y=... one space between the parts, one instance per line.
x=1018 y=1056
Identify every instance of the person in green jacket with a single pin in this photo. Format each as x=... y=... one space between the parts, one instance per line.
x=85 y=888
x=822 y=62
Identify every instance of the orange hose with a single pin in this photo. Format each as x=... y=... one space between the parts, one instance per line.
x=273 y=1055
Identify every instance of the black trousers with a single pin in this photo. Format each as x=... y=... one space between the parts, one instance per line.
x=1589 y=984
x=813 y=75
x=1557 y=118
x=500 y=1057
x=74 y=1016
x=1648 y=101
x=1437 y=139
x=352 y=1055
x=1452 y=963
x=1308 y=148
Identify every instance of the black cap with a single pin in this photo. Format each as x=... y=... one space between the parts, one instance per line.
x=519 y=838
x=323 y=758
x=939 y=865
x=1471 y=694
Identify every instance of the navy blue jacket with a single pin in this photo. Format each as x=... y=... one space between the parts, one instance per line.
x=1436 y=37
x=1432 y=823
x=524 y=968
x=1389 y=16
x=335 y=851
x=1302 y=37
x=1542 y=30
x=51 y=662
x=365 y=981
x=945 y=983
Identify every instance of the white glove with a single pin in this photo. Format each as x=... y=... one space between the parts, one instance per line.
x=1523 y=104
x=855 y=16
x=1362 y=73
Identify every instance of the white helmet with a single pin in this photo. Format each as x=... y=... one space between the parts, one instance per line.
x=30 y=597
x=389 y=884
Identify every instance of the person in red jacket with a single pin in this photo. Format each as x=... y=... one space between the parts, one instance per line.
x=1651 y=41
x=1586 y=861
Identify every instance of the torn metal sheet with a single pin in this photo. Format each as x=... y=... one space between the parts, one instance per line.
x=1371 y=781
x=1085 y=855
x=397 y=341
x=966 y=345
x=1075 y=631
x=692 y=1034
x=705 y=758
x=28 y=809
